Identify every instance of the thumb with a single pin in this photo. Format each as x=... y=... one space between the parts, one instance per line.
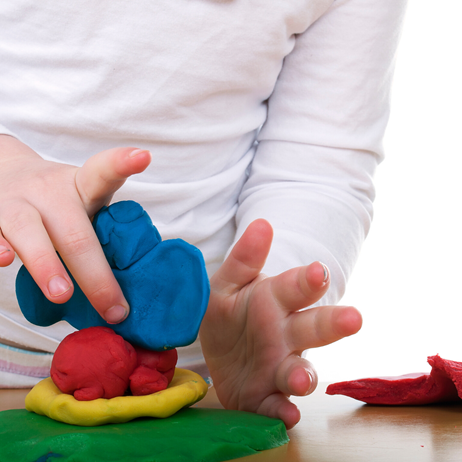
x=247 y=258
x=104 y=173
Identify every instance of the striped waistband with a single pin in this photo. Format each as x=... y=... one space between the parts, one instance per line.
x=28 y=363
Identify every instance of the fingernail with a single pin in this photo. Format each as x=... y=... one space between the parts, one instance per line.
x=58 y=286
x=313 y=383
x=3 y=249
x=326 y=272
x=116 y=314
x=137 y=151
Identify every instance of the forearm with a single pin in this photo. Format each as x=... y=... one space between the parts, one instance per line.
x=322 y=141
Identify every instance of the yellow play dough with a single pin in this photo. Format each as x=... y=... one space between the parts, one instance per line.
x=185 y=389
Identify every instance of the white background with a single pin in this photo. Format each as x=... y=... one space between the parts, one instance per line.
x=408 y=280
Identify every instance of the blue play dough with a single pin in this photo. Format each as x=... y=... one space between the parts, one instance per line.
x=165 y=283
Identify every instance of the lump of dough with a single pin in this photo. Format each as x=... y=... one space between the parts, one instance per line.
x=97 y=363
x=93 y=363
x=165 y=283
x=442 y=384
x=154 y=371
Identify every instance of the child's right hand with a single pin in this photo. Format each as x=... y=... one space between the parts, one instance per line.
x=46 y=207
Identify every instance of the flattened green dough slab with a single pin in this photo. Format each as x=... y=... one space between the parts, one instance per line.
x=191 y=435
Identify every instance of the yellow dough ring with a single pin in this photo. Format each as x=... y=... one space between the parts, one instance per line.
x=185 y=389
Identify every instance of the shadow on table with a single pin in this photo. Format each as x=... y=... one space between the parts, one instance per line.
x=421 y=433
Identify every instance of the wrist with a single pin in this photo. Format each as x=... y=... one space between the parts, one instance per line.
x=12 y=148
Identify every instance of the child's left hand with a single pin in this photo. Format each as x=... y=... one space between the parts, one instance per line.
x=253 y=333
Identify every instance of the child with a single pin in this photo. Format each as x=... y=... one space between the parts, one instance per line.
x=234 y=111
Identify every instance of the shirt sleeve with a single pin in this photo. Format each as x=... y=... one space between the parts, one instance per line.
x=311 y=177
x=5 y=131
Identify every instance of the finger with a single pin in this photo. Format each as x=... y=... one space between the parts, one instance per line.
x=6 y=251
x=25 y=231
x=296 y=376
x=104 y=173
x=321 y=326
x=278 y=406
x=80 y=249
x=300 y=287
x=247 y=258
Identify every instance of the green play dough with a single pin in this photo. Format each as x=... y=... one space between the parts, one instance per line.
x=191 y=435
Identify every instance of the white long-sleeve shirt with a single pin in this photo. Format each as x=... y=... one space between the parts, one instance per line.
x=250 y=108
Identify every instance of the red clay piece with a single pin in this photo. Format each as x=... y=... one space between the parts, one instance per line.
x=97 y=363
x=93 y=363
x=442 y=384
x=154 y=371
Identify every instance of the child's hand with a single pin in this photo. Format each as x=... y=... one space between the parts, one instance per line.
x=253 y=333
x=45 y=206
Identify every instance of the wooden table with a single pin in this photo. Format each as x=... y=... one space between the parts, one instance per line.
x=339 y=429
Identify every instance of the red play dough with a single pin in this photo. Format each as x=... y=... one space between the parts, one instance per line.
x=154 y=371
x=97 y=363
x=442 y=384
x=93 y=363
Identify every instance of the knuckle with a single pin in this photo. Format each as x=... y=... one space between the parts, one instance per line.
x=41 y=262
x=101 y=295
x=76 y=243
x=15 y=220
